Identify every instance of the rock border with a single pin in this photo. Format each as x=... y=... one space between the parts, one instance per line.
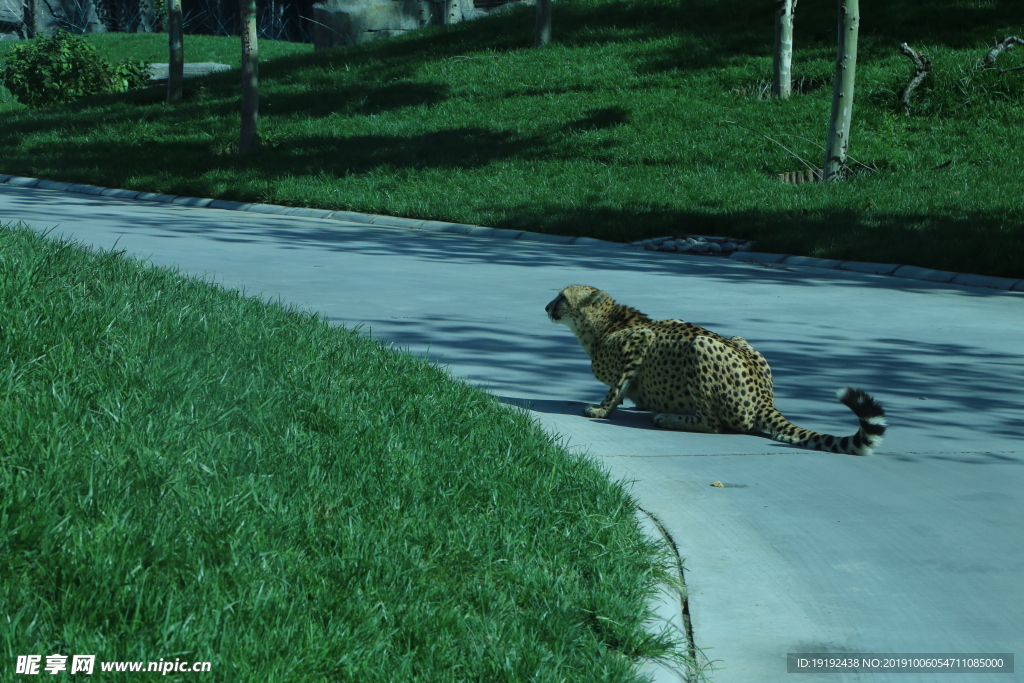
x=722 y=247
x=159 y=72
x=696 y=244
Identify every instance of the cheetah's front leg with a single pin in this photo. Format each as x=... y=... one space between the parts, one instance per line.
x=634 y=349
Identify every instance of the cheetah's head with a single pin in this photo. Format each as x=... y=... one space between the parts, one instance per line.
x=576 y=303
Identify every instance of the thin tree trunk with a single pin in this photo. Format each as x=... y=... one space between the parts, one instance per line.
x=452 y=12
x=250 y=77
x=34 y=20
x=842 y=94
x=783 y=61
x=542 y=30
x=176 y=61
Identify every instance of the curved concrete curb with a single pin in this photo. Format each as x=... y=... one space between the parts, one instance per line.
x=891 y=269
x=672 y=612
x=346 y=216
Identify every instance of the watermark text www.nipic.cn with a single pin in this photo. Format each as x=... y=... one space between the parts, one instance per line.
x=85 y=664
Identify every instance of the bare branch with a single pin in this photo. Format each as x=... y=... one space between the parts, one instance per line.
x=1007 y=44
x=922 y=66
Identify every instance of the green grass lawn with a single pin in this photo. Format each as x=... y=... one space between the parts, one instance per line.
x=618 y=130
x=186 y=472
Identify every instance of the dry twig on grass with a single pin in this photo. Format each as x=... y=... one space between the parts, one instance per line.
x=922 y=67
x=993 y=54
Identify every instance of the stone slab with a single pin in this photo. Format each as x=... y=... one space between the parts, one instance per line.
x=229 y=205
x=153 y=197
x=916 y=273
x=354 y=217
x=596 y=242
x=21 y=181
x=310 y=213
x=270 y=208
x=120 y=194
x=349 y=224
x=85 y=189
x=812 y=261
x=481 y=231
x=758 y=257
x=53 y=185
x=159 y=72
x=192 y=201
x=439 y=226
x=984 y=281
x=397 y=222
x=870 y=268
x=544 y=237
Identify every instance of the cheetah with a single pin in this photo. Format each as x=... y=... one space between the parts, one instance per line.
x=692 y=379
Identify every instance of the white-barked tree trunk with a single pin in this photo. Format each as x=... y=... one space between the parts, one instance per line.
x=542 y=27
x=176 y=60
x=842 y=93
x=783 y=59
x=250 y=77
x=452 y=12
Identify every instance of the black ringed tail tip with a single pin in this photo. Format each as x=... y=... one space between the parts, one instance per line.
x=871 y=416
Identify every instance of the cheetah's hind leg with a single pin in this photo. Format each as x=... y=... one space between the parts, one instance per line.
x=686 y=423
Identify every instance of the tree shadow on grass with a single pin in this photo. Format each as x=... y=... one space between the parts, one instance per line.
x=732 y=28
x=465 y=147
x=358 y=100
x=365 y=99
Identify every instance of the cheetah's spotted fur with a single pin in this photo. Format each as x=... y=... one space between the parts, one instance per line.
x=692 y=379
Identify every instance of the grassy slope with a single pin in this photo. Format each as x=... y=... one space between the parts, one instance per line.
x=617 y=131
x=188 y=473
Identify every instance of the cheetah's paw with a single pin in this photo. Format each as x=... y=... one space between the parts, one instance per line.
x=660 y=419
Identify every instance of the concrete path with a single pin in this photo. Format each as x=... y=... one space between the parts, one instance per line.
x=917 y=549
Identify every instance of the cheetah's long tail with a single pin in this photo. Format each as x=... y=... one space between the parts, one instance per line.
x=864 y=442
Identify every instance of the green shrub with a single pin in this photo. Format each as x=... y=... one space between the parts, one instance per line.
x=129 y=75
x=64 y=67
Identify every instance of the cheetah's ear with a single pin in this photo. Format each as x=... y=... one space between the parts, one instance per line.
x=595 y=298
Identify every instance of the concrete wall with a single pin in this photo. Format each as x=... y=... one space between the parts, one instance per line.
x=345 y=22
x=334 y=22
